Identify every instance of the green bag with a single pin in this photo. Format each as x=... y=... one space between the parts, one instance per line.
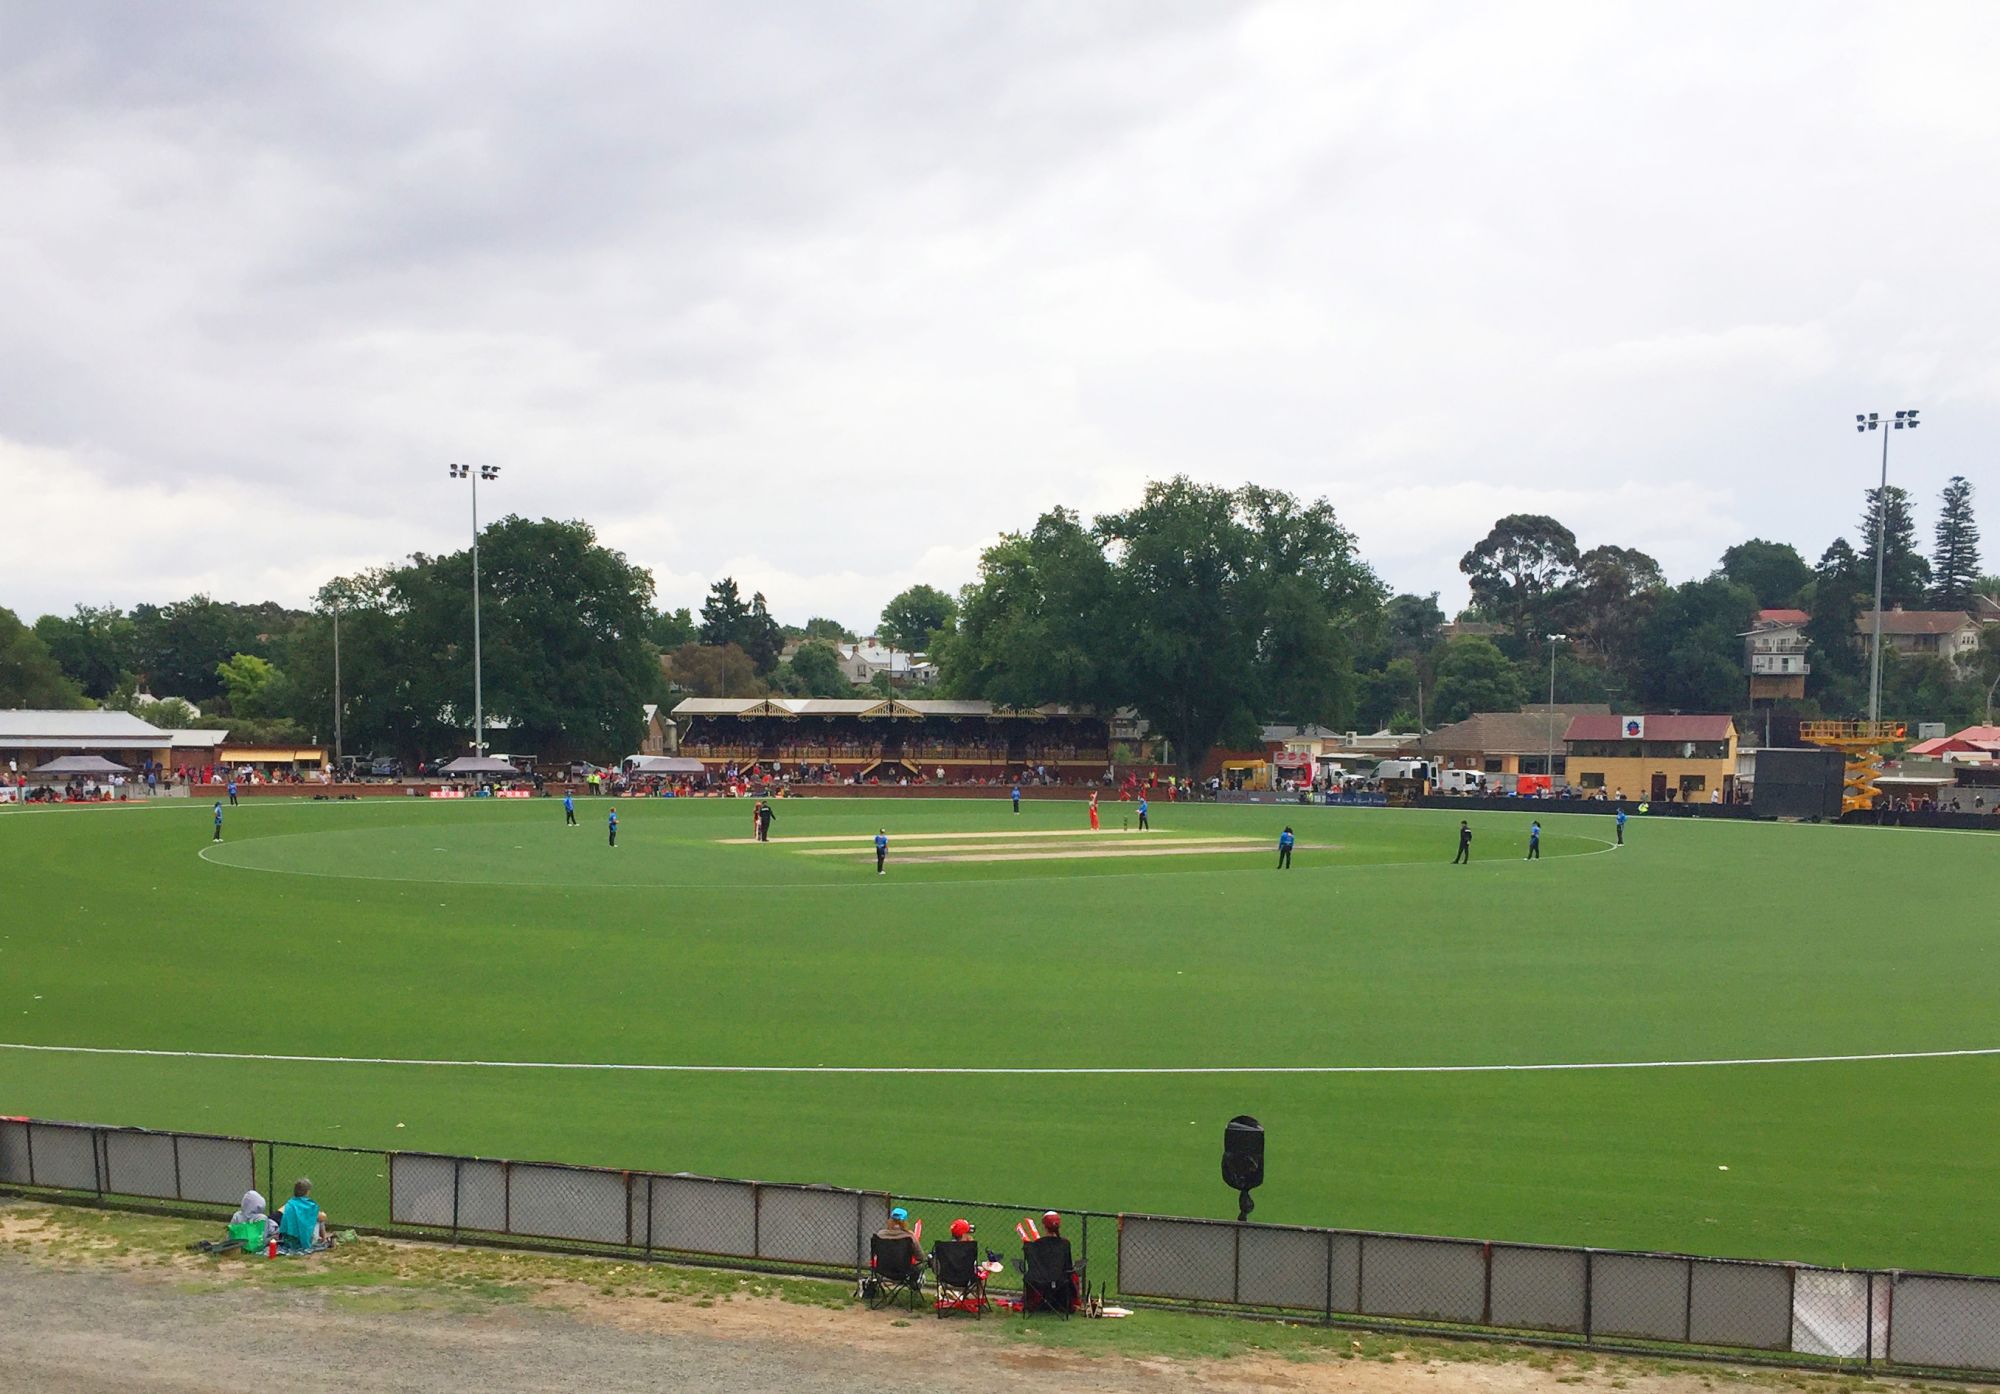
x=252 y=1235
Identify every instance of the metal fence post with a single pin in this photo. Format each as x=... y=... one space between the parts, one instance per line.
x=177 y=1166
x=649 y=1217
x=1868 y=1351
x=1589 y=1295
x=1792 y=1307
x=1086 y=1246
x=457 y=1178
x=1687 y=1315
x=1360 y=1274
x=1236 y=1266
x=100 y=1160
x=270 y=1168
x=1486 y=1296
x=1329 y=1277
x=29 y=1130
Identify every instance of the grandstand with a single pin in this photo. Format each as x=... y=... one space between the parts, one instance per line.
x=889 y=739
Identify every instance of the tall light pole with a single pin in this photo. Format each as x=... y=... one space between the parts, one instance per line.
x=337 y=752
x=1550 y=768
x=475 y=473
x=1872 y=421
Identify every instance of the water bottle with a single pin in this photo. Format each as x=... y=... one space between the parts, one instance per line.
x=271 y=1247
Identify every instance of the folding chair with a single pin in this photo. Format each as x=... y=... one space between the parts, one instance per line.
x=1048 y=1276
x=893 y=1270
x=961 y=1277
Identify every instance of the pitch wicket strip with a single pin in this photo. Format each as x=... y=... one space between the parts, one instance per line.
x=946 y=837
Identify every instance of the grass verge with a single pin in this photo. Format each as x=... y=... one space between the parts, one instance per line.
x=370 y=1276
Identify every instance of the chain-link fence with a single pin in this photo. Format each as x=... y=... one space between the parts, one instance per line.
x=1601 y=1298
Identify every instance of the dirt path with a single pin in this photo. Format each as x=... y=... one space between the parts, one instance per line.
x=90 y=1314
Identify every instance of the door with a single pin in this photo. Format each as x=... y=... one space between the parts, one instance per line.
x=1659 y=788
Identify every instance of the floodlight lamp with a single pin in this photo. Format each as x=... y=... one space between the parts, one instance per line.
x=460 y=471
x=489 y=471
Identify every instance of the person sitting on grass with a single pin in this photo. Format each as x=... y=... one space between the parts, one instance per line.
x=301 y=1226
x=246 y=1228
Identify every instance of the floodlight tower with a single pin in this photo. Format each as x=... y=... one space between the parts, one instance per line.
x=475 y=473
x=1550 y=728
x=1872 y=421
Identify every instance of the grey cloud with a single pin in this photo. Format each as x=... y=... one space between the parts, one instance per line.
x=765 y=283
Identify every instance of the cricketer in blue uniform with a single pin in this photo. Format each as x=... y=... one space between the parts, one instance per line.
x=569 y=811
x=881 y=849
x=613 y=824
x=1143 y=824
x=218 y=822
x=1285 y=850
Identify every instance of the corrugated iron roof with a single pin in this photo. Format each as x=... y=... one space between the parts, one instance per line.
x=84 y=726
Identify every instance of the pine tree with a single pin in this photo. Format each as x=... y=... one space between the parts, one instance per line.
x=1955 y=559
x=1905 y=574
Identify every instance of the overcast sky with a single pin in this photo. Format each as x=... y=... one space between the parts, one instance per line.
x=826 y=295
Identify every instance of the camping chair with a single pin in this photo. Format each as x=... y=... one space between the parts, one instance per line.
x=894 y=1270
x=1048 y=1276
x=961 y=1277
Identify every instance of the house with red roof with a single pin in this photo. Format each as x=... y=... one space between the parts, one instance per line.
x=1658 y=756
x=1974 y=743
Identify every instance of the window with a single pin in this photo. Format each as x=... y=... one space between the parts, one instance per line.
x=1492 y=765
x=1693 y=784
x=1590 y=780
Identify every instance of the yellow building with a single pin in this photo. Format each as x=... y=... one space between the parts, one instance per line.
x=1665 y=758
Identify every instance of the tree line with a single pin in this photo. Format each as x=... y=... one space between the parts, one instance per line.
x=1207 y=610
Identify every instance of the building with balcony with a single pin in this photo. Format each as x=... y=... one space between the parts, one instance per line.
x=1774 y=652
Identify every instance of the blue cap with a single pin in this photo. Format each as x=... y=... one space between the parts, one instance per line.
x=899 y=1213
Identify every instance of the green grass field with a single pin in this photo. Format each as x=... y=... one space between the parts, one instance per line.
x=488 y=931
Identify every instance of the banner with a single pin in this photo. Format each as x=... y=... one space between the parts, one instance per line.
x=1632 y=728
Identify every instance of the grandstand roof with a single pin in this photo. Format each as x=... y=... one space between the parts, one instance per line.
x=39 y=729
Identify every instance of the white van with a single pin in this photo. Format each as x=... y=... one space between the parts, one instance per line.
x=1406 y=769
x=1464 y=781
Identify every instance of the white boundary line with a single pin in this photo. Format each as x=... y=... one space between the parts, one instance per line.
x=1014 y=1070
